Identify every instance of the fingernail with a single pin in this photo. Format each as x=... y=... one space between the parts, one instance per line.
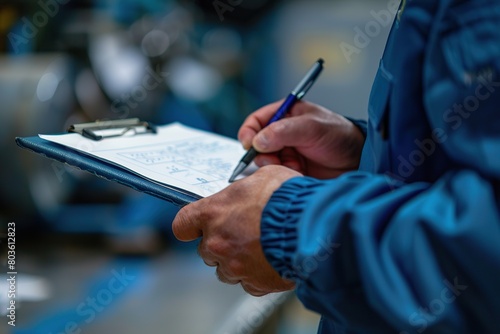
x=261 y=142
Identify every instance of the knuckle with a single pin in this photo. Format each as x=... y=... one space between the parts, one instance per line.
x=223 y=277
x=278 y=128
x=236 y=268
x=251 y=290
x=204 y=253
x=213 y=247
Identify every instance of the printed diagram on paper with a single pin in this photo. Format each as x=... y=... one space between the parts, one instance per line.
x=196 y=162
x=193 y=160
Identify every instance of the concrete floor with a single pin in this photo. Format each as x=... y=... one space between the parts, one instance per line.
x=67 y=285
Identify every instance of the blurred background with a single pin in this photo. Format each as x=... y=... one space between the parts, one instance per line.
x=96 y=257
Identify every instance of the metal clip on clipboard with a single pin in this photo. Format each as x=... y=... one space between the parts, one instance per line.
x=99 y=130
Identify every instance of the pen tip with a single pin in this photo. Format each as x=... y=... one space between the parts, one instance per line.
x=321 y=61
x=239 y=169
x=234 y=176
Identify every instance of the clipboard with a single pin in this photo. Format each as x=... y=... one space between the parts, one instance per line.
x=100 y=132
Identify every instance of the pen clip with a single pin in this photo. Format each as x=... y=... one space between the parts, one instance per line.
x=305 y=89
x=99 y=130
x=308 y=81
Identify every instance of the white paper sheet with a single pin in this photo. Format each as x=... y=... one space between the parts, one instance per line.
x=194 y=160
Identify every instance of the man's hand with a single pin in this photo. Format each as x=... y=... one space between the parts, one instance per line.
x=229 y=225
x=311 y=140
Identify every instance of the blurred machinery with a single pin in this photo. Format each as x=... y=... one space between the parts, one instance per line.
x=161 y=61
x=36 y=96
x=202 y=63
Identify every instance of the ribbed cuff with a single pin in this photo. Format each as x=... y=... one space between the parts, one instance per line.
x=280 y=221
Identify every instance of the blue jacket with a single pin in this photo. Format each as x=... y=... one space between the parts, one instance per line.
x=410 y=243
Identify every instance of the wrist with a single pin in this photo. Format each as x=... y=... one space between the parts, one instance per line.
x=360 y=124
x=357 y=138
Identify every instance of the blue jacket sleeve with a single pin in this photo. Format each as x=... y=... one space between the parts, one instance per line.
x=366 y=252
x=374 y=253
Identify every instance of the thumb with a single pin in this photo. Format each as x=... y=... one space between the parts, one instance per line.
x=287 y=132
x=185 y=226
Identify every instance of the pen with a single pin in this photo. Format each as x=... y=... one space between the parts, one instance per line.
x=297 y=94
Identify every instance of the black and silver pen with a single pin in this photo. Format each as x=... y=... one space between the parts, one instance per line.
x=297 y=94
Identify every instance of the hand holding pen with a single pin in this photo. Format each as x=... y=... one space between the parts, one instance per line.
x=297 y=94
